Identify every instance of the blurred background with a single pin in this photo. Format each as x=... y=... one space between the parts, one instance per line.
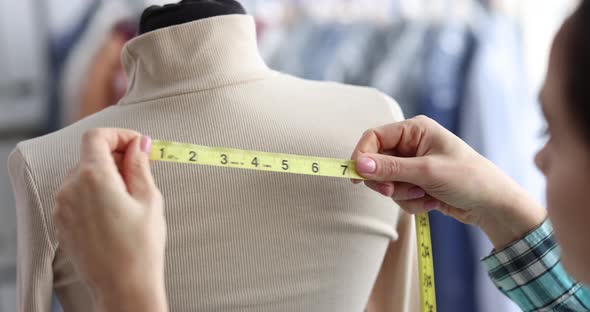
x=475 y=66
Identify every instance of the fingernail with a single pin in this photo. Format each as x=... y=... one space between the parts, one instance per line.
x=416 y=192
x=366 y=165
x=432 y=204
x=146 y=144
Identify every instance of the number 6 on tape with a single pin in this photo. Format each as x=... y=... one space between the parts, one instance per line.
x=297 y=164
x=263 y=161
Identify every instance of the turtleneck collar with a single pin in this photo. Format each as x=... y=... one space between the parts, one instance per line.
x=192 y=57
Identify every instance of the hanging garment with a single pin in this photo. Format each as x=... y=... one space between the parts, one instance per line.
x=288 y=58
x=272 y=40
x=238 y=240
x=360 y=59
x=325 y=42
x=399 y=73
x=448 y=53
x=501 y=120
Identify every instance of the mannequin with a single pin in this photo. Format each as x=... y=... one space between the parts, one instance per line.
x=157 y=17
x=237 y=240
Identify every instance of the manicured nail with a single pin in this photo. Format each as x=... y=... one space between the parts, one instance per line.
x=366 y=165
x=432 y=204
x=415 y=193
x=146 y=144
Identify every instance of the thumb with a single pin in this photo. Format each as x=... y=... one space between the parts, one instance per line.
x=136 y=169
x=385 y=168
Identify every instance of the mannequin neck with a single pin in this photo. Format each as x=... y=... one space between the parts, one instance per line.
x=186 y=11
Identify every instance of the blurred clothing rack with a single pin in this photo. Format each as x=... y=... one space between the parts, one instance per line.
x=383 y=10
x=463 y=63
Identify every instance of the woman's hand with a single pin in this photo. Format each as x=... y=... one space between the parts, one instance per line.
x=424 y=167
x=110 y=222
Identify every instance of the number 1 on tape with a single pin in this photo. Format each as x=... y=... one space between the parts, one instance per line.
x=252 y=160
x=297 y=164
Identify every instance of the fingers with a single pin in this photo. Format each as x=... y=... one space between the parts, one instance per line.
x=397 y=191
x=404 y=137
x=136 y=170
x=383 y=188
x=428 y=204
x=385 y=168
x=98 y=145
x=412 y=199
x=420 y=206
x=127 y=151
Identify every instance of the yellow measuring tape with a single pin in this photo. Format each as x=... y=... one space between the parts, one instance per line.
x=297 y=164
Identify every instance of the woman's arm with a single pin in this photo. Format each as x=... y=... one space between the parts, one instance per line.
x=529 y=272
x=110 y=221
x=424 y=167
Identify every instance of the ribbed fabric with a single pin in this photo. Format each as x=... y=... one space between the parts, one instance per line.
x=237 y=240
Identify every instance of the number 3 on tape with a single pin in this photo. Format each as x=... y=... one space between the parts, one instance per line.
x=297 y=164
x=252 y=160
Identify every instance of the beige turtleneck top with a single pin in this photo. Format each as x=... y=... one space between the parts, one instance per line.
x=238 y=240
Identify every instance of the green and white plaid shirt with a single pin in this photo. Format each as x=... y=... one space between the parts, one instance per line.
x=530 y=273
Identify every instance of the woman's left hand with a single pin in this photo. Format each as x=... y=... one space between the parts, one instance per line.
x=110 y=222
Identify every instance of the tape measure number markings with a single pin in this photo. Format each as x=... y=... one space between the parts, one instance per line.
x=425 y=264
x=252 y=160
x=297 y=164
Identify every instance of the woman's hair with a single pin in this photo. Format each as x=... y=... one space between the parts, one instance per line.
x=578 y=67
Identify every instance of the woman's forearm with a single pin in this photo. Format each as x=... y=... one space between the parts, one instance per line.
x=516 y=215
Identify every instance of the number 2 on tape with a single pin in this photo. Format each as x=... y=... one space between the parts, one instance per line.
x=297 y=164
x=252 y=160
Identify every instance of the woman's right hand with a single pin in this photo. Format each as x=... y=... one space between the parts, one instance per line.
x=424 y=167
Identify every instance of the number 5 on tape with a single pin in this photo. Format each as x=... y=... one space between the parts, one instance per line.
x=297 y=164
x=244 y=159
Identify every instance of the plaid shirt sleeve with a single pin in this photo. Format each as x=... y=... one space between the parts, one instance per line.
x=530 y=273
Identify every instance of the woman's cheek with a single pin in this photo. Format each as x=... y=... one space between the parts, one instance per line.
x=568 y=193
